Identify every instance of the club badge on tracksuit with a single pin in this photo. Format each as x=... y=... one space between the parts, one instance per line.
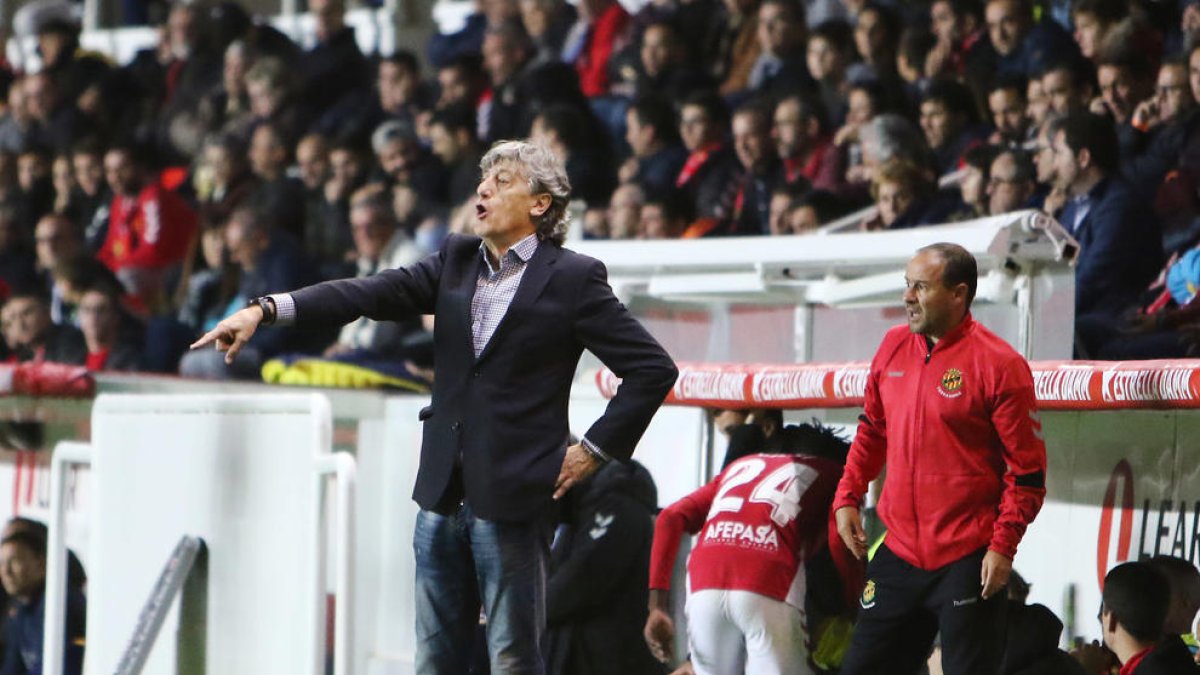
x=867 y=601
x=951 y=384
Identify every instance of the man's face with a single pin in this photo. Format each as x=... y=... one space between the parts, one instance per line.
x=777 y=29
x=726 y=421
x=243 y=247
x=505 y=208
x=1008 y=114
x=313 y=162
x=802 y=220
x=893 y=200
x=1037 y=106
x=31 y=168
x=943 y=22
x=824 y=61
x=696 y=128
x=234 y=71
x=1174 y=98
x=120 y=173
x=751 y=140
x=1005 y=192
x=973 y=187
x=624 y=211
x=500 y=58
x=220 y=163
x=396 y=85
x=1194 y=74
x=1066 y=163
x=938 y=123
x=862 y=108
x=1116 y=88
x=777 y=212
x=658 y=49
x=454 y=87
x=655 y=224
x=397 y=157
x=370 y=236
x=791 y=137
x=40 y=96
x=345 y=166
x=264 y=100
x=1044 y=159
x=1059 y=90
x=266 y=155
x=55 y=240
x=53 y=46
x=445 y=144
x=98 y=318
x=932 y=309
x=330 y=15
x=22 y=571
x=1006 y=27
x=535 y=17
x=24 y=322
x=89 y=172
x=869 y=34
x=181 y=23
x=1089 y=33
x=640 y=137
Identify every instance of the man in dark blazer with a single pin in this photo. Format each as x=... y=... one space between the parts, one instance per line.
x=513 y=314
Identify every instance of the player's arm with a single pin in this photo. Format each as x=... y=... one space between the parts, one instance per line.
x=867 y=455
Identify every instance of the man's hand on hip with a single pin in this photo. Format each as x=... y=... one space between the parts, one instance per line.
x=993 y=576
x=850 y=527
x=233 y=332
x=577 y=465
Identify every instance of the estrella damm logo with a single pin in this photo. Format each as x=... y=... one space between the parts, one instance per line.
x=951 y=384
x=868 y=596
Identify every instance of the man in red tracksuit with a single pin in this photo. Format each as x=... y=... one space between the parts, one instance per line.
x=950 y=409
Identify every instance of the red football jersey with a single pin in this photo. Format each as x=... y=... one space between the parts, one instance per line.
x=756 y=524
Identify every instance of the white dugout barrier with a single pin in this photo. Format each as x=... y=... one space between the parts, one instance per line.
x=246 y=474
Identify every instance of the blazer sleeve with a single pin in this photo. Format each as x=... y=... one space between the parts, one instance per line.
x=388 y=295
x=606 y=328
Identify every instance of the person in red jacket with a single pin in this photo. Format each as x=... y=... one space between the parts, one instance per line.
x=149 y=228
x=950 y=409
x=758 y=523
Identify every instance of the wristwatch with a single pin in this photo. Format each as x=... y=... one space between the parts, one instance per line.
x=267 y=305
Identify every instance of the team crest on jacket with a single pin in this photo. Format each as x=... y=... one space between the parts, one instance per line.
x=868 y=596
x=951 y=384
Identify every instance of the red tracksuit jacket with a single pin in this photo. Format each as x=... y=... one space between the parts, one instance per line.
x=959 y=430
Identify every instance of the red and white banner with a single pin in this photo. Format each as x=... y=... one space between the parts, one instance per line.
x=1060 y=385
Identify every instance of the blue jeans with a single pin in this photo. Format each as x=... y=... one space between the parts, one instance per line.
x=463 y=563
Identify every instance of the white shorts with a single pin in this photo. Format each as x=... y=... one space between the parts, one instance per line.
x=735 y=632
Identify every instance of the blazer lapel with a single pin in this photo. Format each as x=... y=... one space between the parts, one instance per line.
x=537 y=273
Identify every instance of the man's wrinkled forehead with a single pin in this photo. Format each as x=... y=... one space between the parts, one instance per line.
x=510 y=166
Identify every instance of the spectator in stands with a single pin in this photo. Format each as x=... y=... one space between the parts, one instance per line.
x=32 y=336
x=1120 y=249
x=17 y=269
x=602 y=29
x=949 y=123
x=657 y=156
x=877 y=38
x=277 y=194
x=312 y=162
x=1094 y=21
x=962 y=48
x=380 y=244
x=1022 y=46
x=1124 y=82
x=711 y=164
x=92 y=197
x=224 y=181
x=890 y=136
x=453 y=141
x=114 y=340
x=209 y=291
x=665 y=217
x=23 y=574
x=225 y=108
x=829 y=53
x=462 y=82
x=269 y=261
x=1008 y=108
x=150 y=228
x=916 y=45
x=977 y=165
x=62 y=179
x=467 y=42
x=661 y=67
x=73 y=69
x=563 y=128
x=54 y=121
x=782 y=197
x=1032 y=634
x=186 y=70
x=782 y=61
x=761 y=170
x=801 y=134
x=730 y=48
x=271 y=90
x=34 y=196
x=1011 y=185
x=16 y=122
x=405 y=162
x=811 y=211
x=506 y=53
x=902 y=193
x=1067 y=85
x=624 y=213
x=1135 y=602
x=1037 y=106
x=548 y=23
x=596 y=592
x=56 y=241
x=400 y=93
x=333 y=73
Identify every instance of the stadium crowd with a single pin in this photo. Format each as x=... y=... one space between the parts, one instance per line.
x=140 y=202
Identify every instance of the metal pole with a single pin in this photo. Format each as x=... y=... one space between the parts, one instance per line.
x=65 y=454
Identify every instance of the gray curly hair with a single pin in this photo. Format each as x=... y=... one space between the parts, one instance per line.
x=546 y=174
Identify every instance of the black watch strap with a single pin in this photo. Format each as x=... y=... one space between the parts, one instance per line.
x=268 y=309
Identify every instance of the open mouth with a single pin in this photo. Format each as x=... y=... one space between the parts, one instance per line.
x=480 y=211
